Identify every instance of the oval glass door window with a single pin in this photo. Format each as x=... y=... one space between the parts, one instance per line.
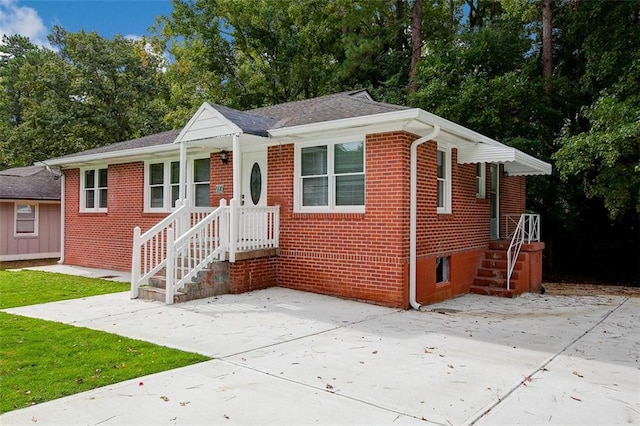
x=256 y=183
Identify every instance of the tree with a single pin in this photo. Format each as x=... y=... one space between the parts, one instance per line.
x=91 y=92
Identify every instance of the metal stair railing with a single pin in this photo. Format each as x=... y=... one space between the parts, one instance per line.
x=527 y=230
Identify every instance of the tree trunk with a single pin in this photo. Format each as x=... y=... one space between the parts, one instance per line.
x=416 y=44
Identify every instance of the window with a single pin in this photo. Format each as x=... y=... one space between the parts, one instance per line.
x=26 y=220
x=444 y=180
x=162 y=184
x=442 y=270
x=481 y=179
x=93 y=190
x=201 y=172
x=330 y=177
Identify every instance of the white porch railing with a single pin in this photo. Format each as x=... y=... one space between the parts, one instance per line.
x=185 y=242
x=527 y=230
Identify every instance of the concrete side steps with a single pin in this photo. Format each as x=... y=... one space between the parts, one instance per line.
x=491 y=277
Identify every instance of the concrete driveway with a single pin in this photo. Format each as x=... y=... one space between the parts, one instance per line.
x=289 y=357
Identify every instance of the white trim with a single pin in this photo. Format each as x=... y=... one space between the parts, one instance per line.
x=446 y=208
x=481 y=181
x=36 y=214
x=63 y=208
x=28 y=256
x=97 y=188
x=297 y=178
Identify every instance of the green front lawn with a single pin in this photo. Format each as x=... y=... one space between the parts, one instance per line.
x=22 y=288
x=44 y=360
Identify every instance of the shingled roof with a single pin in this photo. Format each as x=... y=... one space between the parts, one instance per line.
x=29 y=183
x=325 y=108
x=259 y=121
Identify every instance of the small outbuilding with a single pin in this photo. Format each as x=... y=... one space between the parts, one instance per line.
x=29 y=214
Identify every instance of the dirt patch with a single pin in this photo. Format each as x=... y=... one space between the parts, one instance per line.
x=571 y=289
x=18 y=264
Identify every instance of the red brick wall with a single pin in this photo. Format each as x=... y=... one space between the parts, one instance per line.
x=252 y=274
x=104 y=240
x=359 y=256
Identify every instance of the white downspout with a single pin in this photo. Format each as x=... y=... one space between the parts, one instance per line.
x=62 y=214
x=413 y=213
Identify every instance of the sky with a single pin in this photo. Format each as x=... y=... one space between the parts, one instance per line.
x=35 y=18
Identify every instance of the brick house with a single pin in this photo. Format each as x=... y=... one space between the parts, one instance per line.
x=339 y=195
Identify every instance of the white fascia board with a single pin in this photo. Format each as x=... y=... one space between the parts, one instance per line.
x=103 y=157
x=207 y=123
x=516 y=162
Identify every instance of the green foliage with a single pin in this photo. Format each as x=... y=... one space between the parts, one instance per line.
x=91 y=92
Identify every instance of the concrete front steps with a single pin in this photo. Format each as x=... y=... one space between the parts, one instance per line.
x=491 y=278
x=211 y=281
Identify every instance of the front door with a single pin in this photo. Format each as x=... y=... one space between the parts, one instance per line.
x=254 y=179
x=494 y=201
x=253 y=220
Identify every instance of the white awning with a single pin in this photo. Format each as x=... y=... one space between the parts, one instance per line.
x=516 y=163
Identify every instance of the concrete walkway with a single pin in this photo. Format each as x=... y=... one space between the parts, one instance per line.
x=288 y=357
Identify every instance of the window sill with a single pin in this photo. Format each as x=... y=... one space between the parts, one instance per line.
x=25 y=236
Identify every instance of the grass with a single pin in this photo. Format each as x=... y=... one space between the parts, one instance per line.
x=20 y=288
x=44 y=360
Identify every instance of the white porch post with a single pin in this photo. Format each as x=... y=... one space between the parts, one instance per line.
x=183 y=171
x=235 y=201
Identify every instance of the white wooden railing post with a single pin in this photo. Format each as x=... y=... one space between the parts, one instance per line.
x=224 y=228
x=276 y=228
x=135 y=263
x=233 y=229
x=170 y=272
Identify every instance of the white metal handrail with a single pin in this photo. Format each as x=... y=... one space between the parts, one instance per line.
x=526 y=231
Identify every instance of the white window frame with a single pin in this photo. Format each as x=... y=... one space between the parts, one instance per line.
x=166 y=183
x=481 y=180
x=331 y=206
x=35 y=220
x=446 y=207
x=83 y=195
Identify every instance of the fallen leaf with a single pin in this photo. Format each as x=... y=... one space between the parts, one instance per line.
x=184 y=404
x=374 y=352
x=226 y=417
x=34 y=419
x=577 y=399
x=140 y=384
x=575 y=373
x=27 y=392
x=329 y=387
x=164 y=398
x=449 y=365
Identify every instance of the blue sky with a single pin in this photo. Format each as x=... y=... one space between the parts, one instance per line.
x=35 y=18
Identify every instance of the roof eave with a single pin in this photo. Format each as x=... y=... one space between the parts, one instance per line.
x=104 y=157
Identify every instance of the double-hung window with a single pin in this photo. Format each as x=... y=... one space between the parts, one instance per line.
x=26 y=220
x=162 y=184
x=330 y=177
x=93 y=190
x=444 y=180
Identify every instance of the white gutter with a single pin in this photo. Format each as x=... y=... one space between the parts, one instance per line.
x=62 y=214
x=413 y=213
